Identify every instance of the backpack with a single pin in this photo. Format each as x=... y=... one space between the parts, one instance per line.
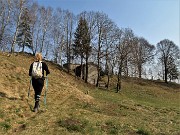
x=37 y=70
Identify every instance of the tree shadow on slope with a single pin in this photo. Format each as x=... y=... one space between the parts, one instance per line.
x=174 y=86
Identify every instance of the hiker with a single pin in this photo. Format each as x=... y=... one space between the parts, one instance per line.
x=36 y=71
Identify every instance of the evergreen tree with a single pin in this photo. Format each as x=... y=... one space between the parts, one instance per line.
x=81 y=45
x=24 y=36
x=172 y=69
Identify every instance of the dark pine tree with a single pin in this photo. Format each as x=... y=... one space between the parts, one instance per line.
x=81 y=45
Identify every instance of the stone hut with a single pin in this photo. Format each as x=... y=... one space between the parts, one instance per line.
x=71 y=66
x=92 y=71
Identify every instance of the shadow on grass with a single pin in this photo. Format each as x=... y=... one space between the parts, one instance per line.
x=173 y=85
x=5 y=96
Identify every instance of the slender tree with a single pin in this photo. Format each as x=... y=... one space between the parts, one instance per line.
x=68 y=25
x=123 y=48
x=57 y=33
x=19 y=6
x=109 y=40
x=102 y=22
x=46 y=17
x=35 y=25
x=5 y=17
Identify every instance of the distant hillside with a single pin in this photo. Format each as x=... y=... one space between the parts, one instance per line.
x=142 y=107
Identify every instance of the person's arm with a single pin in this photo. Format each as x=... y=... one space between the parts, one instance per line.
x=46 y=69
x=30 y=70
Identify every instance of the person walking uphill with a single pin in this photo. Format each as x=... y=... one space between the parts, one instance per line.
x=36 y=71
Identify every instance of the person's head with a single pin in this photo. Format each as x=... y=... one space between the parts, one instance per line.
x=38 y=57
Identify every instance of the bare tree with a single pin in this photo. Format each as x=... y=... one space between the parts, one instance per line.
x=102 y=21
x=142 y=52
x=5 y=16
x=35 y=25
x=19 y=6
x=58 y=35
x=109 y=41
x=68 y=28
x=125 y=40
x=46 y=17
x=167 y=51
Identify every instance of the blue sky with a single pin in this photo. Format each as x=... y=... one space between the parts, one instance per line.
x=154 y=20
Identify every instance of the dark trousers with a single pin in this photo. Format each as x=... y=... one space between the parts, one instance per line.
x=38 y=86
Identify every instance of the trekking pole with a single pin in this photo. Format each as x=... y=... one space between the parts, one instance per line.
x=30 y=87
x=46 y=90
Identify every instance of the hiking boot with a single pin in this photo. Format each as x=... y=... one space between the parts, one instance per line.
x=36 y=106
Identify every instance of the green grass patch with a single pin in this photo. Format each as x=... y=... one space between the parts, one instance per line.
x=5 y=125
x=74 y=124
x=143 y=131
x=2 y=114
x=110 y=127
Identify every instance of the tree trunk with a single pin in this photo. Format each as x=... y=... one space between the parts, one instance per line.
x=139 y=70
x=108 y=80
x=165 y=73
x=98 y=57
x=98 y=77
x=67 y=48
x=86 y=77
x=82 y=68
x=23 y=46
x=42 y=43
x=1 y=35
x=119 y=78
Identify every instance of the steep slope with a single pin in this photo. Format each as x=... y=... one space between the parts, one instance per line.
x=15 y=82
x=142 y=107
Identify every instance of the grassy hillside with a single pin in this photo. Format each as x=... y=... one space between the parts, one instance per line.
x=142 y=107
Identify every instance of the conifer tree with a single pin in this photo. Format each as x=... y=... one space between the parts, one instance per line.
x=81 y=45
x=24 y=36
x=172 y=69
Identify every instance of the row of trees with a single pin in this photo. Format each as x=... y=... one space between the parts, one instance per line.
x=90 y=36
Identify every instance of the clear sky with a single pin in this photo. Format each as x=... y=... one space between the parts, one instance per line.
x=154 y=20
